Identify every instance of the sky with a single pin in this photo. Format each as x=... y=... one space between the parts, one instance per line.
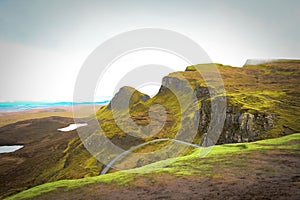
x=43 y=44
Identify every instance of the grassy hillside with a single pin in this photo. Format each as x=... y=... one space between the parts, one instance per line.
x=263 y=102
x=266 y=159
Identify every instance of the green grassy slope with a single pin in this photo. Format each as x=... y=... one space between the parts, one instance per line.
x=190 y=165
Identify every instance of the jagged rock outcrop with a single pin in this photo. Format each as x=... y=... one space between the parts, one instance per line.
x=127 y=93
x=262 y=102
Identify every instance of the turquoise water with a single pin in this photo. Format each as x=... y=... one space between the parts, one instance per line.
x=27 y=105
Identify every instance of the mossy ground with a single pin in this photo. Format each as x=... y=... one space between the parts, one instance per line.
x=229 y=156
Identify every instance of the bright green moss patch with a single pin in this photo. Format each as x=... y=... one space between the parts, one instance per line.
x=258 y=100
x=119 y=178
x=275 y=143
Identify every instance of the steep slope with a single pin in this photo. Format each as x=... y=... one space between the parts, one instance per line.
x=262 y=102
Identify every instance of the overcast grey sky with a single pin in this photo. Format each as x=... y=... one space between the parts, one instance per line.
x=44 y=43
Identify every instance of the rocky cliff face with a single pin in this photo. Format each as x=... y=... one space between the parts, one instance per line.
x=240 y=125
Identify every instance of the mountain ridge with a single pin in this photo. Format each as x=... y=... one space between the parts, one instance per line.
x=254 y=91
